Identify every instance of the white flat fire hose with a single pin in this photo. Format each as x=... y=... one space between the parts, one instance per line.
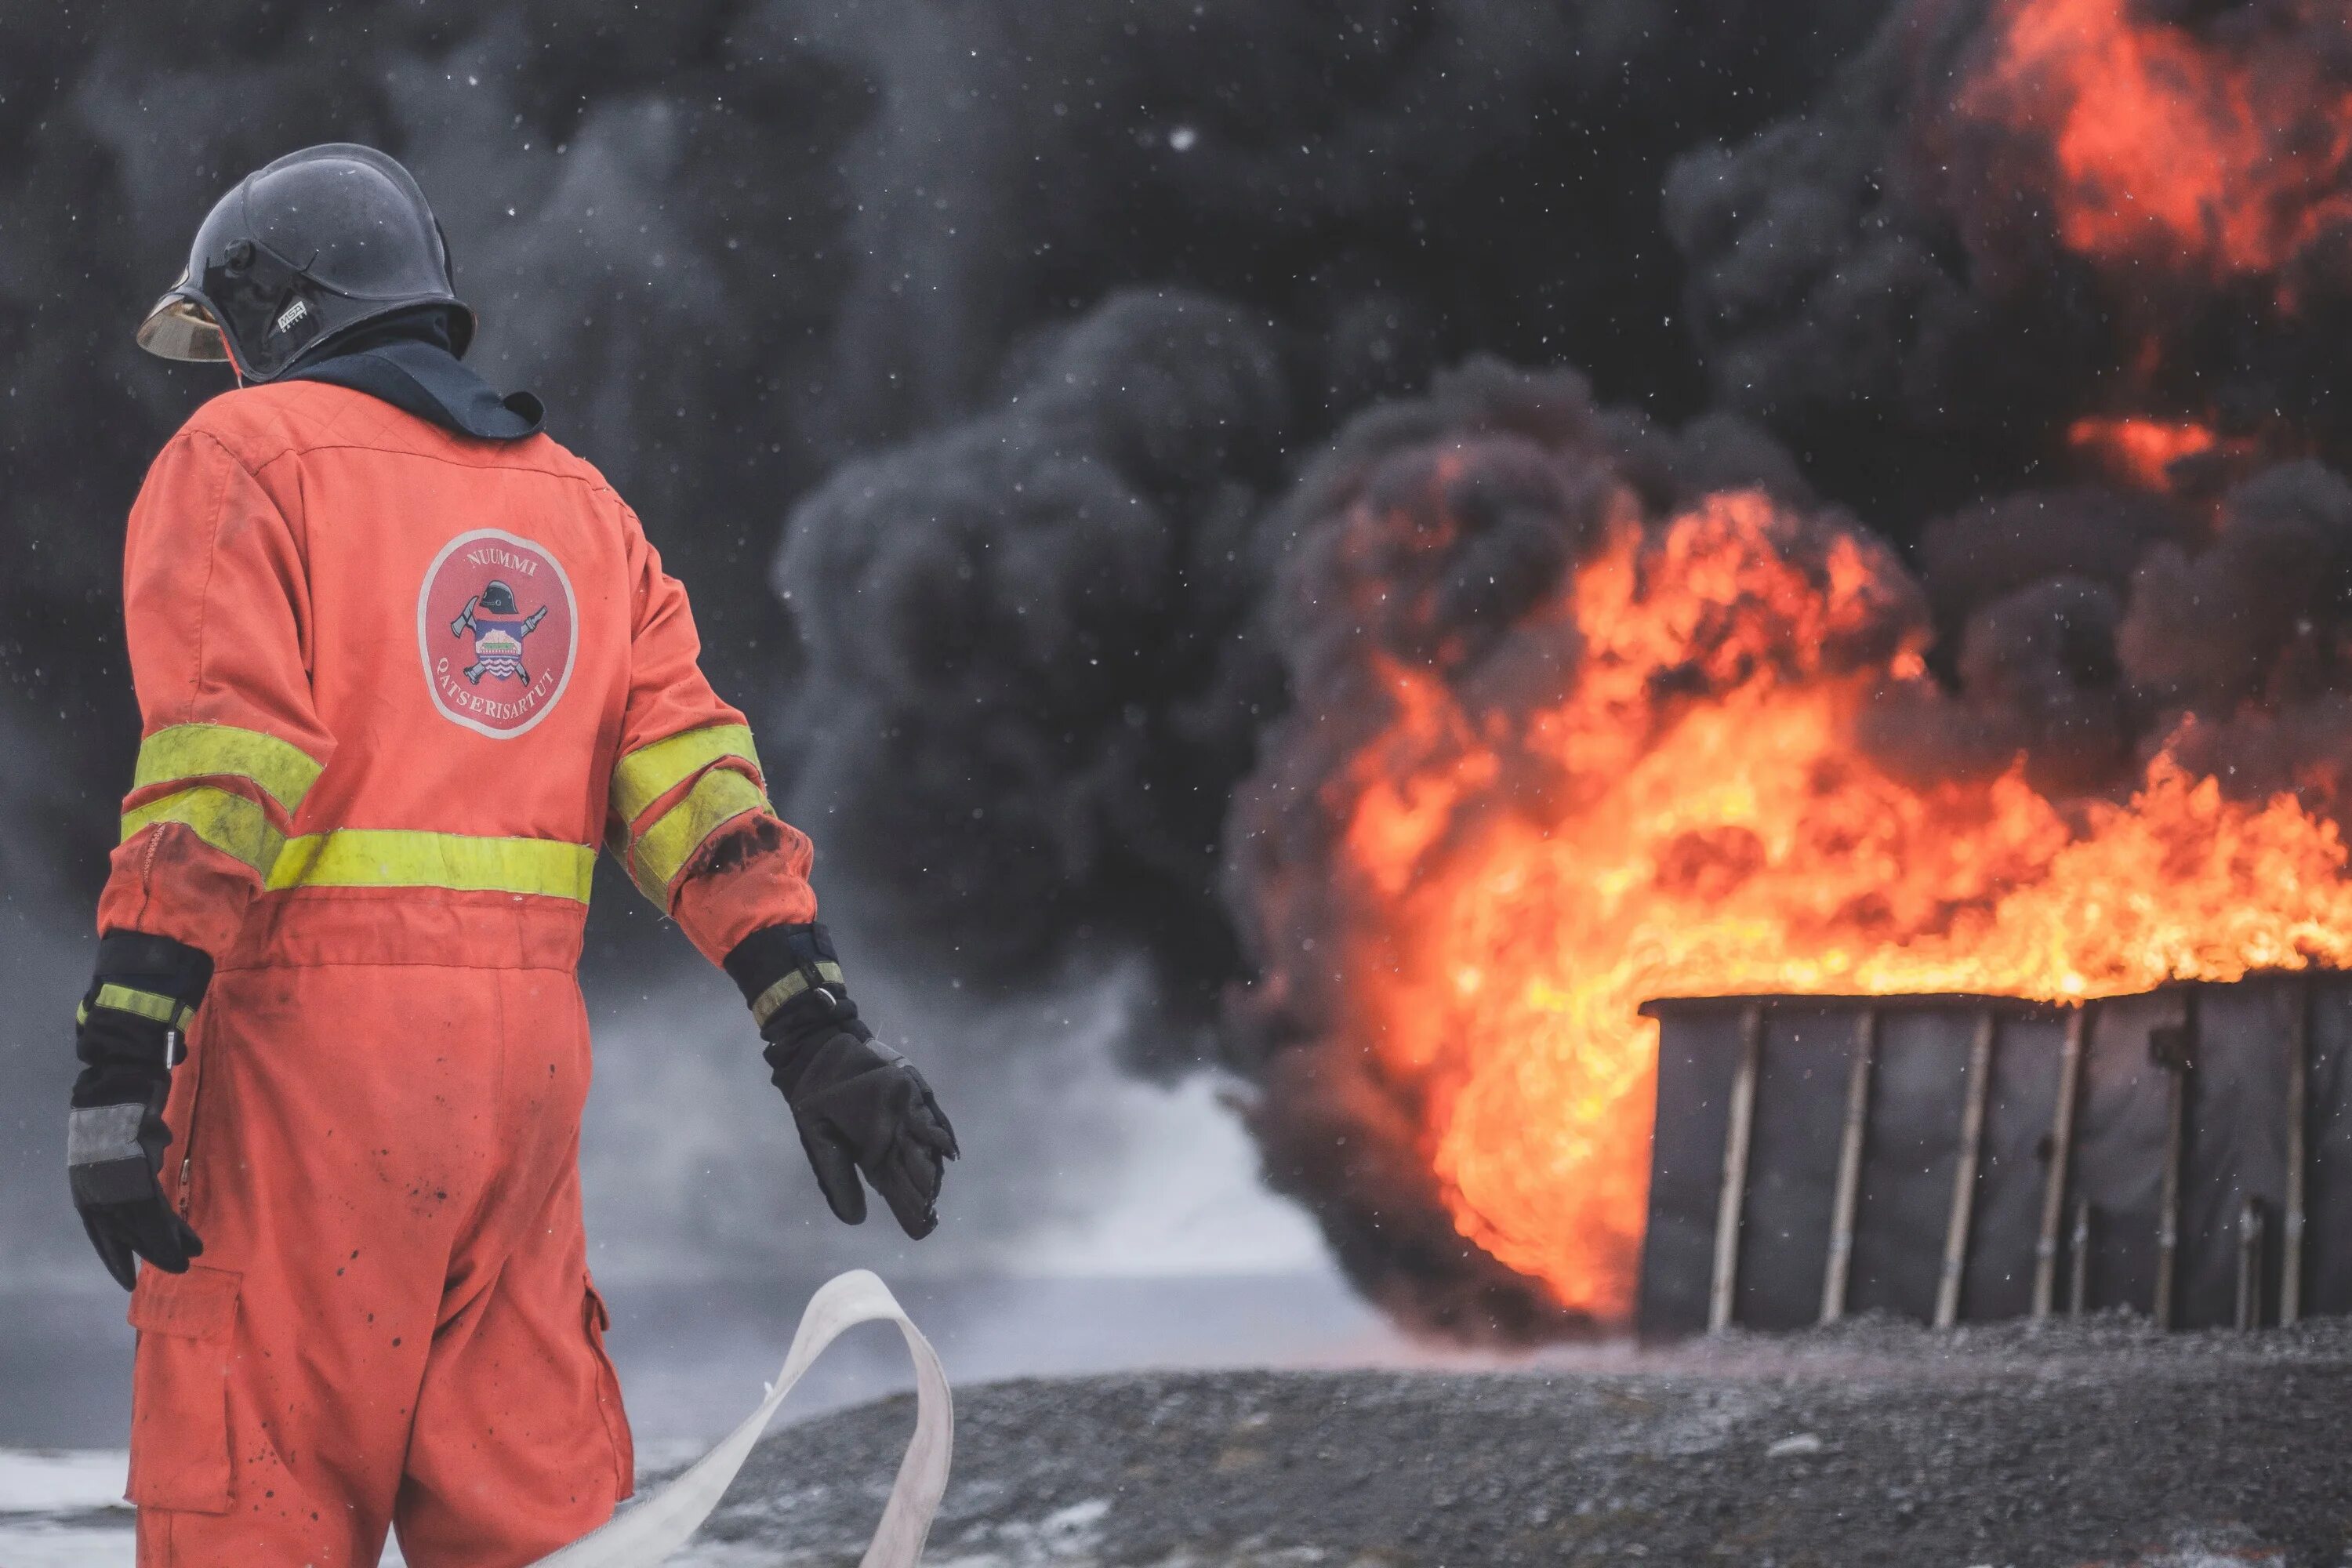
x=650 y=1532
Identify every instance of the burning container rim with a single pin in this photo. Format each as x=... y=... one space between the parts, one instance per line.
x=1907 y=1001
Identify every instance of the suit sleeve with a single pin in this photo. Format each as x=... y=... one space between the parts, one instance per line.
x=216 y=611
x=689 y=813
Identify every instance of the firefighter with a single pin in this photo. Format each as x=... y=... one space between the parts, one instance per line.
x=404 y=662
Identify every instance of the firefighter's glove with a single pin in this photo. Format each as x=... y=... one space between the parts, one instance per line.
x=859 y=1106
x=127 y=1036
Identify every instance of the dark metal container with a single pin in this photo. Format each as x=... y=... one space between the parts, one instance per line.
x=2187 y=1154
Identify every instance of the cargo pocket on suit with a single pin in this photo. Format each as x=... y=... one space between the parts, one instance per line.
x=596 y=1319
x=179 y=1393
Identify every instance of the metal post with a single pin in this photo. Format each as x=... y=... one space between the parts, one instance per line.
x=2250 y=1264
x=2176 y=1050
x=1964 y=1179
x=2062 y=1154
x=1849 y=1176
x=2298 y=1094
x=2078 y=1273
x=1734 y=1170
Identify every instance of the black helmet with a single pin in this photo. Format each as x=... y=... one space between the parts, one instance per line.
x=302 y=251
x=498 y=599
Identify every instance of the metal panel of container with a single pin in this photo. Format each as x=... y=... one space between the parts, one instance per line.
x=2234 y=1151
x=1697 y=1056
x=1792 y=1163
x=2328 y=1232
x=2118 y=1167
x=2015 y=1166
x=1911 y=1153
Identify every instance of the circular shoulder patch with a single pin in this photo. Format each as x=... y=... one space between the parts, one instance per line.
x=498 y=629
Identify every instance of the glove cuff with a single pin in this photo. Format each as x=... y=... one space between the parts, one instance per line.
x=145 y=992
x=781 y=964
x=148 y=976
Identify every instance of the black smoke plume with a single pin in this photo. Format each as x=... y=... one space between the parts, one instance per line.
x=1030 y=677
x=1907 y=284
x=1033 y=674
x=1894 y=279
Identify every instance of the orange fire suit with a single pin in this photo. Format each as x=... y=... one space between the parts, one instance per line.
x=397 y=684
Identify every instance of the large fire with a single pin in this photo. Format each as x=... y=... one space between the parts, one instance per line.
x=1586 y=721
x=1737 y=841
x=2220 y=152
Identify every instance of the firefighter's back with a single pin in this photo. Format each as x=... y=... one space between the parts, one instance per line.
x=464 y=610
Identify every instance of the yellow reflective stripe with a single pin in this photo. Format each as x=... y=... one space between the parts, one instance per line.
x=662 y=850
x=391 y=857
x=214 y=751
x=229 y=822
x=650 y=772
x=790 y=987
x=148 y=1004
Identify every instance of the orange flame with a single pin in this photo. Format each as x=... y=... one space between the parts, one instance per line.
x=2140 y=451
x=1741 y=841
x=2223 y=160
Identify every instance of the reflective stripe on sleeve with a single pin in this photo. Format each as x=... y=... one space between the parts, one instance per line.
x=390 y=858
x=187 y=752
x=229 y=822
x=650 y=772
x=662 y=851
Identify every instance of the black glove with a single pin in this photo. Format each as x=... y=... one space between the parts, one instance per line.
x=860 y=1107
x=127 y=1036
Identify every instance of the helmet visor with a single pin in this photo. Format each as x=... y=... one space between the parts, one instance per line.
x=179 y=328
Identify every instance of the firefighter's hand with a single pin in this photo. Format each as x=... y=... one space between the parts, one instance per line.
x=115 y=1141
x=862 y=1108
x=117 y=1158
x=147 y=989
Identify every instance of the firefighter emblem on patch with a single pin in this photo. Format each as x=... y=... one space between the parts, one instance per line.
x=498 y=628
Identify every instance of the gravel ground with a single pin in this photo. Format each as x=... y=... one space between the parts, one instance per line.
x=2096 y=1442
